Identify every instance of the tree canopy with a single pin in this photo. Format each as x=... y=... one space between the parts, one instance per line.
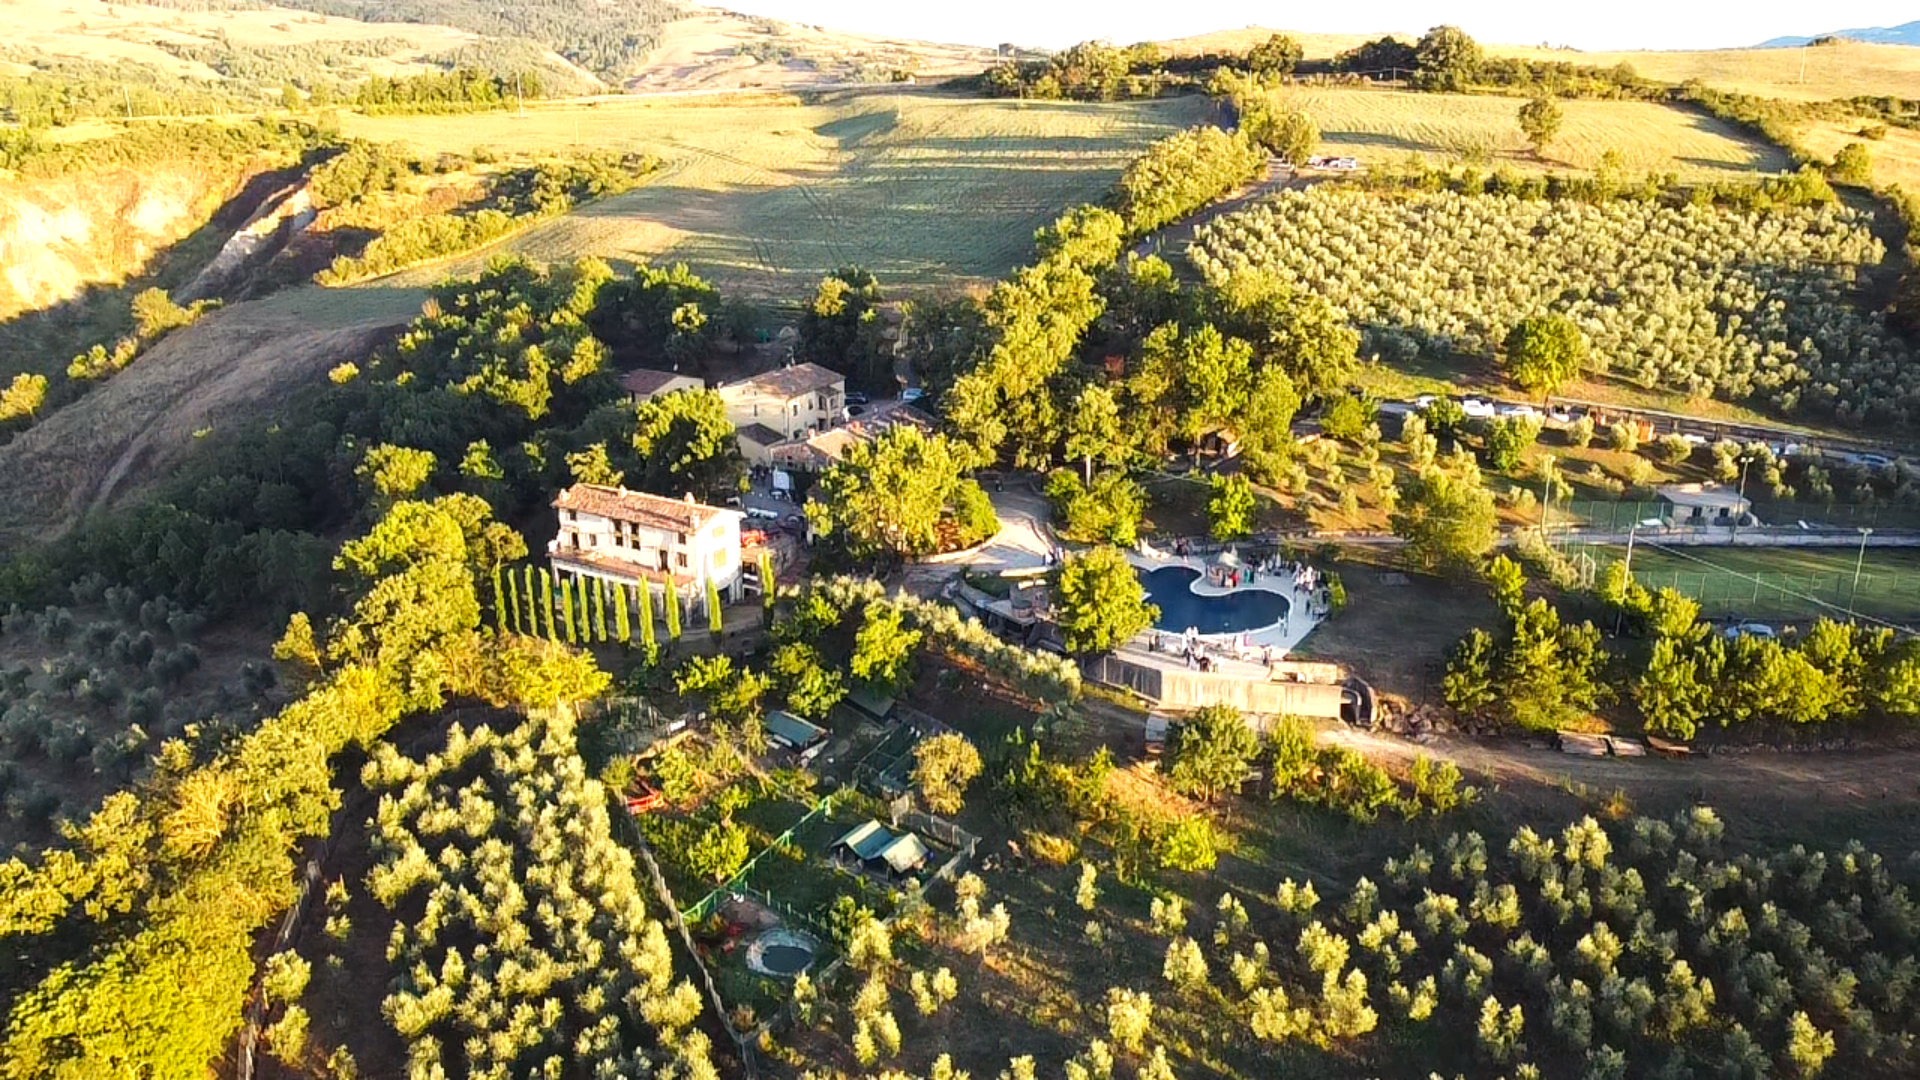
x=685 y=443
x=1100 y=601
x=1540 y=120
x=890 y=495
x=1545 y=352
x=1208 y=751
x=1446 y=518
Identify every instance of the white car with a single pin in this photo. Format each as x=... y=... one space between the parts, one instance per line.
x=1516 y=410
x=762 y=514
x=1475 y=409
x=1750 y=629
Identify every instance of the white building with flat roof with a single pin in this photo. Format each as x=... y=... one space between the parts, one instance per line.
x=642 y=541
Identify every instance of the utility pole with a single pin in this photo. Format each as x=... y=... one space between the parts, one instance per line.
x=1857 y=563
x=1740 y=502
x=1626 y=581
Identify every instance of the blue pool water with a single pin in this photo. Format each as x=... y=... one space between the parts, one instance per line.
x=1171 y=589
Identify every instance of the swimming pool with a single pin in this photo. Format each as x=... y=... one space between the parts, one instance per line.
x=1171 y=589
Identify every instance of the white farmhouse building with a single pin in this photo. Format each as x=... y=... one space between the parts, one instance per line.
x=792 y=402
x=636 y=540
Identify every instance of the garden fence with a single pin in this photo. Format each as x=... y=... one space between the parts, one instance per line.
x=1620 y=515
x=745 y=1048
x=704 y=907
x=1724 y=592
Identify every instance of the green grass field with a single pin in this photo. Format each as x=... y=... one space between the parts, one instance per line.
x=1778 y=583
x=766 y=194
x=1384 y=125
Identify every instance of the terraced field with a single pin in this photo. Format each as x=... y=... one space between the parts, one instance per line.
x=1388 y=124
x=767 y=193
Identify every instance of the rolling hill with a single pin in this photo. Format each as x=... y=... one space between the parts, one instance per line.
x=1904 y=34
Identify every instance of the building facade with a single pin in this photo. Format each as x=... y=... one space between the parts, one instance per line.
x=794 y=401
x=645 y=384
x=647 y=542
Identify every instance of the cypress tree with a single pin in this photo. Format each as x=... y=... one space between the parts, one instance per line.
x=766 y=580
x=499 y=603
x=646 y=615
x=533 y=610
x=620 y=623
x=713 y=607
x=546 y=602
x=673 y=613
x=580 y=605
x=513 y=601
x=566 y=610
x=600 y=608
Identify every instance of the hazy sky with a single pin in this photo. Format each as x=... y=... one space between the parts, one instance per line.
x=1601 y=24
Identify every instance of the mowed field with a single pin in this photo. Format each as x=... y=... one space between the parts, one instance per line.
x=926 y=189
x=1896 y=155
x=1377 y=125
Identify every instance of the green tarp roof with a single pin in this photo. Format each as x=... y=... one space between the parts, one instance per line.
x=867 y=840
x=792 y=730
x=874 y=705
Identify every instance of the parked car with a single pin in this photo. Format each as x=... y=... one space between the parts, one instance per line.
x=1516 y=410
x=763 y=514
x=858 y=398
x=1750 y=629
x=856 y=410
x=1475 y=409
x=912 y=394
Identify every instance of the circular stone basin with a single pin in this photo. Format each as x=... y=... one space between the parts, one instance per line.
x=783 y=953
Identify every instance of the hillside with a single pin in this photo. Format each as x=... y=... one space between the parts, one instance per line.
x=767 y=194
x=1904 y=34
x=710 y=49
x=1842 y=70
x=167 y=38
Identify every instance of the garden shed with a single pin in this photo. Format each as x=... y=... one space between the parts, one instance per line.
x=788 y=730
x=874 y=847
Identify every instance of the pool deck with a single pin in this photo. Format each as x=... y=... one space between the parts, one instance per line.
x=1283 y=637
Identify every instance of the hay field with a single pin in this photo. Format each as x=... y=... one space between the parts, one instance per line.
x=767 y=194
x=1812 y=74
x=1377 y=125
x=1896 y=156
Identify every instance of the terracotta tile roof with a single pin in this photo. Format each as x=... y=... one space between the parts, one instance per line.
x=791 y=382
x=645 y=382
x=651 y=511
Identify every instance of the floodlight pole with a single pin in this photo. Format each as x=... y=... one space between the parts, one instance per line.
x=1859 y=561
x=1626 y=582
x=1740 y=500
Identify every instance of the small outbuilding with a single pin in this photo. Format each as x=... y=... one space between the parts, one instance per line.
x=874 y=848
x=1701 y=504
x=797 y=735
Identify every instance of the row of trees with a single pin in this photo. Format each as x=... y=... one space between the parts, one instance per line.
x=141 y=931
x=533 y=942
x=1453 y=274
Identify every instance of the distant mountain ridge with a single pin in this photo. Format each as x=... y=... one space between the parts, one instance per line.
x=1904 y=34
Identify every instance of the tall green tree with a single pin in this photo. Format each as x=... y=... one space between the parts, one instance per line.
x=1448 y=521
x=1447 y=59
x=1230 y=508
x=1100 y=601
x=686 y=444
x=1540 y=120
x=883 y=649
x=842 y=329
x=1208 y=750
x=1278 y=55
x=1545 y=352
x=943 y=766
x=889 y=495
x=1093 y=429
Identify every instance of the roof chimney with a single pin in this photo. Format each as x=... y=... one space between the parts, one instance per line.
x=689 y=498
